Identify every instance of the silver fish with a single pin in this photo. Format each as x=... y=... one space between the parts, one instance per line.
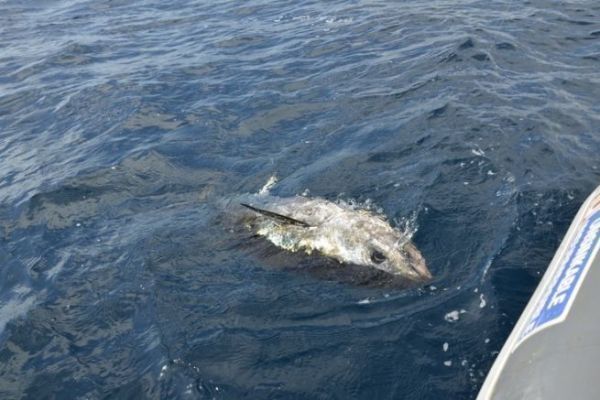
x=336 y=230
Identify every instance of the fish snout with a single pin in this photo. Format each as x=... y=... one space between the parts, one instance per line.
x=423 y=271
x=417 y=262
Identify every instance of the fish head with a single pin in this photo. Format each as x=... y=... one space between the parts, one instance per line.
x=403 y=260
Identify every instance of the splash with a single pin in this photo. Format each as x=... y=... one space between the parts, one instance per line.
x=268 y=186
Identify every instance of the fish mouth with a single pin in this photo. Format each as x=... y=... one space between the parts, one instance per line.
x=417 y=263
x=422 y=271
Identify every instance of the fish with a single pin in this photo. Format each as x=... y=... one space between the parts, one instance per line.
x=336 y=230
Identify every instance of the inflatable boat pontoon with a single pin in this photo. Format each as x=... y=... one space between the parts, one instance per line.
x=553 y=351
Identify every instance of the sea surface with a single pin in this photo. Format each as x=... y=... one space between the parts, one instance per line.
x=124 y=124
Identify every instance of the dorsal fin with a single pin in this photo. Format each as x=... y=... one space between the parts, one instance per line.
x=274 y=215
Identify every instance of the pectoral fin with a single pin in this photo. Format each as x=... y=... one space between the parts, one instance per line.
x=278 y=217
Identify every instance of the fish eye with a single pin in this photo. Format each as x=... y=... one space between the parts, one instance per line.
x=377 y=257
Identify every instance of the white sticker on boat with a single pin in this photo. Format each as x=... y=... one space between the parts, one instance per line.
x=553 y=307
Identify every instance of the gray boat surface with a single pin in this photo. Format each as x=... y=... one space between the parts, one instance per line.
x=553 y=351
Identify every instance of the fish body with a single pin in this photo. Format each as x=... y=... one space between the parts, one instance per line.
x=335 y=230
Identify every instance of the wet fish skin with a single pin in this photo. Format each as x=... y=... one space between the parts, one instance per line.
x=336 y=230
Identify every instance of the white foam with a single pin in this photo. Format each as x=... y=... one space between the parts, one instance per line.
x=339 y=21
x=409 y=225
x=478 y=152
x=482 y=301
x=267 y=187
x=452 y=316
x=163 y=370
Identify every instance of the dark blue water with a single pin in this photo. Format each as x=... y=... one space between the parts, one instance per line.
x=122 y=124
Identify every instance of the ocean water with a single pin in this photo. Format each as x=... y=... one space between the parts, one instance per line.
x=124 y=123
